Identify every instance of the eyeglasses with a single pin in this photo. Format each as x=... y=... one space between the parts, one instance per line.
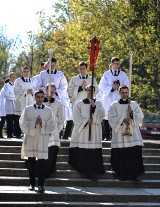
x=124 y=92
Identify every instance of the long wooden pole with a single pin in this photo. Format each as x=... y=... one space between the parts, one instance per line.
x=130 y=72
x=49 y=81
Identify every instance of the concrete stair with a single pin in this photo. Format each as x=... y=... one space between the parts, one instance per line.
x=69 y=188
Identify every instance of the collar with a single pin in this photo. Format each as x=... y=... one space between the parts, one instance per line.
x=86 y=101
x=113 y=71
x=46 y=99
x=36 y=106
x=123 y=101
x=24 y=79
x=52 y=72
x=11 y=83
x=81 y=76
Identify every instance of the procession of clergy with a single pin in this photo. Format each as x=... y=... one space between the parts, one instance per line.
x=28 y=110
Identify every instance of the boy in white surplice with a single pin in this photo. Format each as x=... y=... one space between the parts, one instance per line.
x=86 y=155
x=37 y=123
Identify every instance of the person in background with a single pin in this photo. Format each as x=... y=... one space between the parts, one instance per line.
x=35 y=78
x=24 y=93
x=78 y=84
x=2 y=111
x=108 y=86
x=37 y=122
x=126 y=145
x=77 y=91
x=54 y=140
x=9 y=97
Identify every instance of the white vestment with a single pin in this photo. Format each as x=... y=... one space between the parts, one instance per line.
x=22 y=98
x=58 y=110
x=2 y=103
x=9 y=98
x=58 y=79
x=116 y=115
x=35 y=142
x=35 y=80
x=74 y=85
x=105 y=86
x=80 y=134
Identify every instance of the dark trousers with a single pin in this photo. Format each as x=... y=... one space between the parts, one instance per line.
x=10 y=119
x=52 y=159
x=17 y=127
x=106 y=130
x=2 y=122
x=68 y=129
x=41 y=171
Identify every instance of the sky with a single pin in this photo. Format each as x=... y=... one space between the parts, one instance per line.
x=19 y=16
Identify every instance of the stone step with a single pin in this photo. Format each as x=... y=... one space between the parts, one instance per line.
x=83 y=194
x=65 y=143
x=64 y=150
x=153 y=175
x=70 y=182
x=64 y=158
x=65 y=166
x=77 y=204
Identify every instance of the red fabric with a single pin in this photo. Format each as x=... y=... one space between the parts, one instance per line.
x=94 y=51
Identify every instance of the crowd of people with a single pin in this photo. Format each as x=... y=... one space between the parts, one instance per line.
x=38 y=111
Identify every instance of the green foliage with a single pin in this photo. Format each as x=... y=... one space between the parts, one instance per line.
x=120 y=25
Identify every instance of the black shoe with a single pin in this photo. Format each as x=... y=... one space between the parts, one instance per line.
x=31 y=187
x=41 y=189
x=114 y=174
x=137 y=179
x=18 y=136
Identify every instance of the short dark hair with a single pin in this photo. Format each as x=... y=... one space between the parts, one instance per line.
x=114 y=59
x=123 y=87
x=42 y=63
x=83 y=63
x=26 y=67
x=53 y=60
x=38 y=91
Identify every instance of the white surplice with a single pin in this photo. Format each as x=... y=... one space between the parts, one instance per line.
x=58 y=110
x=80 y=134
x=35 y=141
x=74 y=85
x=105 y=86
x=22 y=98
x=116 y=115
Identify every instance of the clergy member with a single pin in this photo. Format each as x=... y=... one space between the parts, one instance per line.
x=109 y=85
x=86 y=155
x=24 y=92
x=126 y=148
x=10 y=104
x=54 y=140
x=78 y=84
x=37 y=123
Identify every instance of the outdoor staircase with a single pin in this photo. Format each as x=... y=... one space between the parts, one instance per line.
x=69 y=188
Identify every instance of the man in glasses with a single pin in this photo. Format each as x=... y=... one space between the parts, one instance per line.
x=109 y=85
x=124 y=117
